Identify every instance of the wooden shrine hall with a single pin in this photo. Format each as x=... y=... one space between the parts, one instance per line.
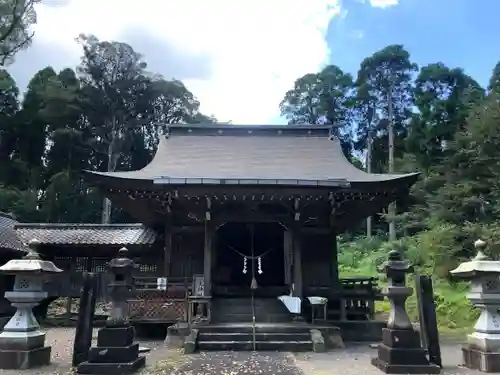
x=241 y=215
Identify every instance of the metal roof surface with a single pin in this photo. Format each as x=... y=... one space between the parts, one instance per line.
x=246 y=153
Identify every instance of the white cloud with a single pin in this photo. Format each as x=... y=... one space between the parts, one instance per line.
x=383 y=3
x=257 y=48
x=253 y=50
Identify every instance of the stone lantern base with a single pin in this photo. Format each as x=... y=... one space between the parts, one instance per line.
x=401 y=353
x=23 y=350
x=477 y=359
x=115 y=353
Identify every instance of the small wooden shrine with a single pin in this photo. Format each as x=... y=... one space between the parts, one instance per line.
x=230 y=211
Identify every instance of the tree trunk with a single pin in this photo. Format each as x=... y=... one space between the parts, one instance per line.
x=113 y=155
x=106 y=204
x=369 y=170
x=392 y=206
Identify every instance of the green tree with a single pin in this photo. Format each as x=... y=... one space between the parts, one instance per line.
x=443 y=97
x=115 y=84
x=494 y=83
x=29 y=146
x=387 y=76
x=322 y=98
x=9 y=106
x=16 y=17
x=470 y=176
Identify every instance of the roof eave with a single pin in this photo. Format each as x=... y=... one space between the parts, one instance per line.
x=106 y=177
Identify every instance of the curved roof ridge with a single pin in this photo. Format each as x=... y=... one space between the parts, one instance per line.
x=239 y=157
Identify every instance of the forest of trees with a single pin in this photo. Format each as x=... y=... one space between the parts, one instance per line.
x=107 y=114
x=445 y=126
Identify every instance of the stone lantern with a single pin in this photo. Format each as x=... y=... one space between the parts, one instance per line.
x=400 y=351
x=116 y=352
x=482 y=351
x=121 y=268
x=22 y=345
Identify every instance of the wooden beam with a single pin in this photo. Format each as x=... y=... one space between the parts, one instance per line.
x=251 y=218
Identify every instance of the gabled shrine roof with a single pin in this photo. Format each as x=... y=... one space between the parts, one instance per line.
x=251 y=155
x=86 y=234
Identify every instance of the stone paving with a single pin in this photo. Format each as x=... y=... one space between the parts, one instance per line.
x=353 y=360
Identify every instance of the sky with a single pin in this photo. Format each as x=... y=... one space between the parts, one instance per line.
x=240 y=57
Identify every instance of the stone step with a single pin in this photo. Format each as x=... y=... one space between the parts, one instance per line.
x=292 y=346
x=259 y=336
x=259 y=328
x=248 y=309
x=247 y=301
x=247 y=317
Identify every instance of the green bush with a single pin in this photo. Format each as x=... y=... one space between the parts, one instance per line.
x=433 y=252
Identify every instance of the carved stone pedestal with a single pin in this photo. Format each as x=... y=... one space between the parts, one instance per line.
x=400 y=353
x=24 y=352
x=476 y=359
x=115 y=353
x=482 y=351
x=22 y=345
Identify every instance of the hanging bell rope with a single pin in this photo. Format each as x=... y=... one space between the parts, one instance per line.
x=253 y=284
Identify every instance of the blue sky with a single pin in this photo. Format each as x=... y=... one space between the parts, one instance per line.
x=459 y=33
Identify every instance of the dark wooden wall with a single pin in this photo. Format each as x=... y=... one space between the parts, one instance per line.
x=187 y=255
x=319 y=260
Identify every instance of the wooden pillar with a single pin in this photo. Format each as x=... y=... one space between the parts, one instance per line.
x=288 y=256
x=297 y=250
x=207 y=252
x=297 y=262
x=334 y=262
x=207 y=259
x=167 y=249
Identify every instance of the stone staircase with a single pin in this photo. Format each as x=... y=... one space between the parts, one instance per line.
x=294 y=337
x=232 y=329
x=239 y=310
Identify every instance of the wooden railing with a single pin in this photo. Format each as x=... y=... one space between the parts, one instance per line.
x=151 y=305
x=353 y=299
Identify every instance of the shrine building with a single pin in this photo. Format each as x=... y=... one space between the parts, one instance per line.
x=235 y=218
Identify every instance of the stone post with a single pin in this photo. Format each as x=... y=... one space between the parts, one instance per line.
x=116 y=351
x=22 y=345
x=482 y=351
x=400 y=351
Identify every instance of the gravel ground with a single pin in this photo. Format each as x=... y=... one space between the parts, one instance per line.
x=353 y=360
x=61 y=341
x=240 y=363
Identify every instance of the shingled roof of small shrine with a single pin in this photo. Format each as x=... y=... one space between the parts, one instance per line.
x=285 y=155
x=9 y=239
x=87 y=234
